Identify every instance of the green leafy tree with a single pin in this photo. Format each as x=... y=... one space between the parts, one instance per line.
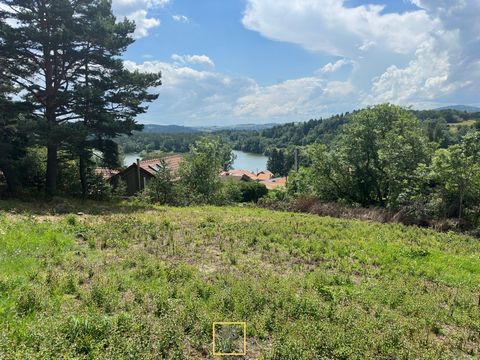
x=455 y=172
x=14 y=133
x=374 y=158
x=252 y=191
x=199 y=172
x=276 y=162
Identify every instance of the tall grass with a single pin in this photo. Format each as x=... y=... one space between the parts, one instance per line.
x=149 y=284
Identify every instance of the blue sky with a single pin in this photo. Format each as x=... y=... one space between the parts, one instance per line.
x=259 y=61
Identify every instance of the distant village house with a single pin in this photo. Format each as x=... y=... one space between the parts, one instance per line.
x=137 y=175
x=265 y=177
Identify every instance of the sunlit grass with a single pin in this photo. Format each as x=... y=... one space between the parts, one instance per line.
x=149 y=284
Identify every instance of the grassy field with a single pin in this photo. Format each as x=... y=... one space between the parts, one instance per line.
x=455 y=127
x=126 y=282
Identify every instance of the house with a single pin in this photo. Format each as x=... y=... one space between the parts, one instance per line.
x=264 y=175
x=240 y=175
x=106 y=173
x=137 y=175
x=275 y=183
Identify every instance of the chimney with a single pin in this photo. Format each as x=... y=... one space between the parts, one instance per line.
x=138 y=176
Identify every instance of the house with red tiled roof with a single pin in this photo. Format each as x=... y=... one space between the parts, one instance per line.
x=264 y=175
x=106 y=173
x=275 y=183
x=137 y=175
x=235 y=174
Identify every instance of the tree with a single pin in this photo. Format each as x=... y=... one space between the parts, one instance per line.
x=252 y=191
x=62 y=54
x=374 y=158
x=161 y=188
x=276 y=162
x=13 y=142
x=13 y=133
x=199 y=172
x=455 y=172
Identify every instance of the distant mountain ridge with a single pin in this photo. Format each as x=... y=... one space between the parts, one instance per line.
x=236 y=127
x=466 y=108
x=175 y=129
x=167 y=129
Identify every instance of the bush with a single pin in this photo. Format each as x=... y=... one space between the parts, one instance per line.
x=162 y=188
x=231 y=191
x=252 y=191
x=98 y=188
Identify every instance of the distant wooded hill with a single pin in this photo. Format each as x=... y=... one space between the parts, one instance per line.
x=177 y=129
x=466 y=108
x=167 y=129
x=442 y=126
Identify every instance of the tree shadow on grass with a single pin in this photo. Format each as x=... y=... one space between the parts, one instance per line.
x=62 y=206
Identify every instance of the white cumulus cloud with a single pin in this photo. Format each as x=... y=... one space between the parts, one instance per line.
x=333 y=67
x=192 y=96
x=425 y=55
x=137 y=10
x=193 y=59
x=181 y=18
x=331 y=27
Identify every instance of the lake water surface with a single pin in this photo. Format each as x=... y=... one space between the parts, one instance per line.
x=244 y=161
x=250 y=161
x=130 y=159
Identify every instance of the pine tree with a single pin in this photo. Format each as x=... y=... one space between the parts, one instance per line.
x=64 y=55
x=13 y=135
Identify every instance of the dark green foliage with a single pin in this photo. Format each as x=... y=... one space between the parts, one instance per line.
x=200 y=170
x=252 y=191
x=280 y=161
x=162 y=189
x=65 y=58
x=373 y=159
x=450 y=185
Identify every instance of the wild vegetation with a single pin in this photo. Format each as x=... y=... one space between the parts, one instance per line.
x=382 y=158
x=128 y=281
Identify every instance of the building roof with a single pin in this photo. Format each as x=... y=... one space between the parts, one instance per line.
x=264 y=175
x=106 y=173
x=239 y=174
x=275 y=183
x=152 y=166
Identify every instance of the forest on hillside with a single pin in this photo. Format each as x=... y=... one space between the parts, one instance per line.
x=444 y=127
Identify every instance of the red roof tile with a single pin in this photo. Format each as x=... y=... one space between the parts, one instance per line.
x=239 y=174
x=275 y=183
x=151 y=166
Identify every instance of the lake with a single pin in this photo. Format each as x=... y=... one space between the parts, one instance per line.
x=130 y=159
x=250 y=161
x=244 y=161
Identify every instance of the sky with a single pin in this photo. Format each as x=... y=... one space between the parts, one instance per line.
x=229 y=62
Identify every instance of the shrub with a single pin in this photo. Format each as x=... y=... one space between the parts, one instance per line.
x=252 y=191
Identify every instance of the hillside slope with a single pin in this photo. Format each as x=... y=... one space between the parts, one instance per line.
x=148 y=283
x=465 y=108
